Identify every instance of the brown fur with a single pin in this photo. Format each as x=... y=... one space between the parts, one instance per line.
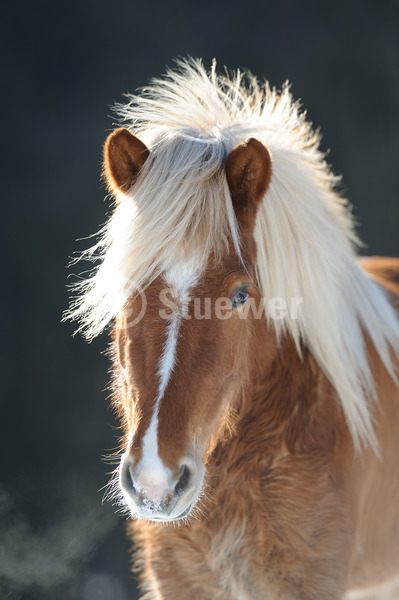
x=290 y=510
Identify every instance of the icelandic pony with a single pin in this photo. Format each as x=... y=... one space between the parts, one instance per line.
x=254 y=355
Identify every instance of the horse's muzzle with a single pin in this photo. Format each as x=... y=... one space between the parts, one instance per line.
x=153 y=494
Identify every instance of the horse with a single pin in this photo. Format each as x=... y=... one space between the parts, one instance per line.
x=254 y=352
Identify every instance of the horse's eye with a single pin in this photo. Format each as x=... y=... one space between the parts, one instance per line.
x=239 y=299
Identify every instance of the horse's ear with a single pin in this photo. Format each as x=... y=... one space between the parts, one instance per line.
x=248 y=172
x=124 y=155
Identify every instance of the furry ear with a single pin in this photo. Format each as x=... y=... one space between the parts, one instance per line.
x=248 y=172
x=124 y=155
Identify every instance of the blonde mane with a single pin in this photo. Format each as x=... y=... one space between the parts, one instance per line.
x=180 y=207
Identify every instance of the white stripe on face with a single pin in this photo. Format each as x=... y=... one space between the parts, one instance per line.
x=180 y=279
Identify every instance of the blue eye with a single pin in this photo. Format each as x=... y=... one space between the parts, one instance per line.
x=239 y=299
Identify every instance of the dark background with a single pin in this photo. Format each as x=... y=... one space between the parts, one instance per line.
x=63 y=65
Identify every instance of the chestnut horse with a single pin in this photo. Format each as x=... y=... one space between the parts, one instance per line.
x=255 y=356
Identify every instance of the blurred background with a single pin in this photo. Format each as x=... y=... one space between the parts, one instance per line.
x=63 y=65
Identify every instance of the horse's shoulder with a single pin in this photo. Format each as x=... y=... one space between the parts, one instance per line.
x=385 y=270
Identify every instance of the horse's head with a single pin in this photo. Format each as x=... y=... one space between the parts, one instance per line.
x=183 y=363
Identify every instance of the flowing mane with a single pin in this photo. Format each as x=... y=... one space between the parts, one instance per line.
x=180 y=209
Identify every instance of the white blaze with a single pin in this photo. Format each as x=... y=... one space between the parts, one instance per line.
x=153 y=475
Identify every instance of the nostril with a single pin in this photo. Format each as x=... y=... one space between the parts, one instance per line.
x=184 y=480
x=127 y=479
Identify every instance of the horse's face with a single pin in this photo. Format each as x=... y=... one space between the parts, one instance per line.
x=184 y=362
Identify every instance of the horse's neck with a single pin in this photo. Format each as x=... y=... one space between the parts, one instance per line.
x=291 y=400
x=291 y=393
